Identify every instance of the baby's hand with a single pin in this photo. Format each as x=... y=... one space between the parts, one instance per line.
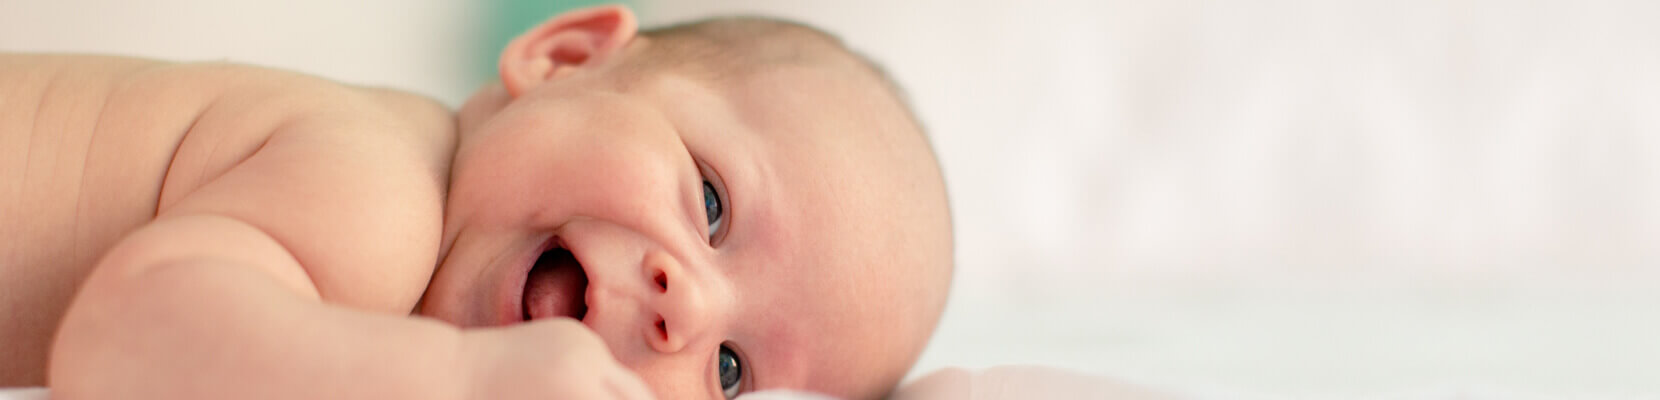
x=556 y=358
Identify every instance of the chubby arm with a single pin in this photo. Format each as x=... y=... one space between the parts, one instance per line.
x=237 y=319
x=240 y=321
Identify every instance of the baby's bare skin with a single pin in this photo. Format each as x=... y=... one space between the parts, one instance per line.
x=94 y=148
x=228 y=231
x=52 y=171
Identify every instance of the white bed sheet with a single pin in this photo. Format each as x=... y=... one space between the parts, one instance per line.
x=23 y=394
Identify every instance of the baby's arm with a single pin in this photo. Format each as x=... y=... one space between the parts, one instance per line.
x=273 y=269
x=227 y=323
x=166 y=318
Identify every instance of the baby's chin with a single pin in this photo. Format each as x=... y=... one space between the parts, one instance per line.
x=425 y=309
x=435 y=305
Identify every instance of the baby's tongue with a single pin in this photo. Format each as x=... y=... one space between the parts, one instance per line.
x=555 y=288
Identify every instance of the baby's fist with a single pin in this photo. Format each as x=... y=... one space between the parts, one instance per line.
x=555 y=358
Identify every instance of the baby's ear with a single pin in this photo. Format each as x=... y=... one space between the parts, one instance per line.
x=563 y=44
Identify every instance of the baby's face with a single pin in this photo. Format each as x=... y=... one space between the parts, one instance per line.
x=720 y=236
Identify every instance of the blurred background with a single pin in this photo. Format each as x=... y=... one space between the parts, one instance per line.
x=1277 y=197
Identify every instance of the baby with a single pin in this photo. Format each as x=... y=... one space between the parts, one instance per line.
x=692 y=212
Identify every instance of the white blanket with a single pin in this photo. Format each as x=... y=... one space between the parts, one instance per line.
x=23 y=393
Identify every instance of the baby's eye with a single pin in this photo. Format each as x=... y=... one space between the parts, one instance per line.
x=713 y=208
x=730 y=372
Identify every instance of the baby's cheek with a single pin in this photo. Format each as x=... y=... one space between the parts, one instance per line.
x=783 y=394
x=671 y=377
x=620 y=185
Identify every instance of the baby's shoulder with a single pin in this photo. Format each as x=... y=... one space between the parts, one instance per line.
x=213 y=116
x=320 y=165
x=317 y=164
x=357 y=166
x=248 y=92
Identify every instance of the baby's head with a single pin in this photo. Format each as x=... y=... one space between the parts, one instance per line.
x=737 y=199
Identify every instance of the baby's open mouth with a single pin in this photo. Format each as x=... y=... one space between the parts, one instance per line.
x=556 y=287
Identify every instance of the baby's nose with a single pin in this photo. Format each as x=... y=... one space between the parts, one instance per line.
x=681 y=302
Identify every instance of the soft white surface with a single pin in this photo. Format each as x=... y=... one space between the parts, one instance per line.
x=23 y=394
x=1326 y=198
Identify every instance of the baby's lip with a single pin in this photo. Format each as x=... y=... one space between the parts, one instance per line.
x=589 y=296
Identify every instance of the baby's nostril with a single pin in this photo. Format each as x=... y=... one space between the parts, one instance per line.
x=663 y=329
x=662 y=281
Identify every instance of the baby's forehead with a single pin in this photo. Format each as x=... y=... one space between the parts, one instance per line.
x=770 y=81
x=735 y=64
x=824 y=109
